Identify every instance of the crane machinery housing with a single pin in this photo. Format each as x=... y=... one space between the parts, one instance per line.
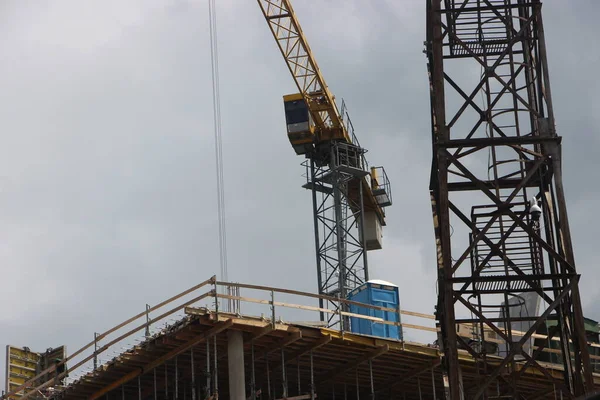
x=349 y=197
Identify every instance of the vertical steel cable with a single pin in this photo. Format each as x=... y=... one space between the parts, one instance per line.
x=216 y=96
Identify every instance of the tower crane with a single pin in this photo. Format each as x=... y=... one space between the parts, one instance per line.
x=349 y=197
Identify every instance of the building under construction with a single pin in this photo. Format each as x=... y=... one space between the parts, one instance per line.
x=207 y=353
x=509 y=322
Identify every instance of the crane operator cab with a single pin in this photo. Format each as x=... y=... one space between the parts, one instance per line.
x=300 y=129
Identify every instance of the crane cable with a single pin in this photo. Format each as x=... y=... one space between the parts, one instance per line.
x=216 y=97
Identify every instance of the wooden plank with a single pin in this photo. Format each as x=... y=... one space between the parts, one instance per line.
x=417 y=314
x=309 y=308
x=419 y=327
x=304 y=294
x=198 y=311
x=254 y=323
x=265 y=330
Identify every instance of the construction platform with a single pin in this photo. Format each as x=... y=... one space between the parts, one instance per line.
x=199 y=357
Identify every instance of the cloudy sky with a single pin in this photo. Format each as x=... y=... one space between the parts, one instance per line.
x=107 y=171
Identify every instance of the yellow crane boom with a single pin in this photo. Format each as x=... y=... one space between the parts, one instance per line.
x=312 y=116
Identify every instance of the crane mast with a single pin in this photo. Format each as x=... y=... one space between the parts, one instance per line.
x=348 y=196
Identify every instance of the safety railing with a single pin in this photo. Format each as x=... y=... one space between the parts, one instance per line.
x=278 y=299
x=348 y=124
x=140 y=326
x=350 y=129
x=136 y=328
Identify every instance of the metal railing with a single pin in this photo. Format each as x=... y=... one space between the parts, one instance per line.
x=382 y=188
x=351 y=133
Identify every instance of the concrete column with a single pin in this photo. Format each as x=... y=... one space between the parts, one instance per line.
x=235 y=361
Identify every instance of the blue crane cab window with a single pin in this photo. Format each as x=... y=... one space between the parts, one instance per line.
x=296 y=112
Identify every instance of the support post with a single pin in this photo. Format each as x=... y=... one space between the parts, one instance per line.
x=166 y=381
x=216 y=369
x=357 y=385
x=371 y=379
x=176 y=379
x=253 y=377
x=312 y=378
x=284 y=378
x=298 y=371
x=95 y=350
x=215 y=289
x=193 y=374
x=208 y=374
x=268 y=376
x=433 y=383
x=147 y=333
x=340 y=309
x=273 y=309
x=235 y=361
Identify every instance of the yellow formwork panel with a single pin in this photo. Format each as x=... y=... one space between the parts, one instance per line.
x=21 y=365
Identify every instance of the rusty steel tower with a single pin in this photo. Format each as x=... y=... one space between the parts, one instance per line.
x=506 y=269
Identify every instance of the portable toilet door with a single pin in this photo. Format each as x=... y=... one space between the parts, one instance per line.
x=385 y=294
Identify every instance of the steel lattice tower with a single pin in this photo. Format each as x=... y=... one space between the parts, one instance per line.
x=335 y=178
x=506 y=267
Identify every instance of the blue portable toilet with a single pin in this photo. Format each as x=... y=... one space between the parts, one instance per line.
x=376 y=293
